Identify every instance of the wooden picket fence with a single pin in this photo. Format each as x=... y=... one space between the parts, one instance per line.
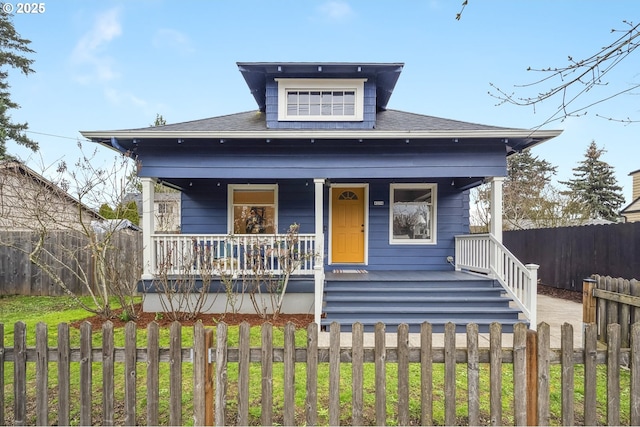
x=210 y=360
x=607 y=300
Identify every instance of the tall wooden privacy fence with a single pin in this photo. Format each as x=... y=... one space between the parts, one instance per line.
x=566 y=255
x=608 y=300
x=18 y=276
x=218 y=380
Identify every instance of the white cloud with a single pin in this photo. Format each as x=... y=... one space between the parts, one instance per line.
x=170 y=39
x=336 y=10
x=120 y=98
x=89 y=53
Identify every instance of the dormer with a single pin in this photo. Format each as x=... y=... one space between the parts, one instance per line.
x=321 y=95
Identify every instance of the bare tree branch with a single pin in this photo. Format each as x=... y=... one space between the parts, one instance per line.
x=578 y=78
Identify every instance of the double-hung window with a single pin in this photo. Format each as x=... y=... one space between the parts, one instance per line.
x=253 y=209
x=413 y=214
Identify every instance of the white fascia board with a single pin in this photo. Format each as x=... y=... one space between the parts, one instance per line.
x=324 y=134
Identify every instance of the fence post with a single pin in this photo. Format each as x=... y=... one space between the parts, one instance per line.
x=532 y=377
x=588 y=301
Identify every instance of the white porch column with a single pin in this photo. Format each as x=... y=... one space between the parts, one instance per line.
x=318 y=266
x=495 y=227
x=148 y=227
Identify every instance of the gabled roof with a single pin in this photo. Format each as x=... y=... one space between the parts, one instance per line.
x=18 y=167
x=390 y=124
x=385 y=75
x=633 y=207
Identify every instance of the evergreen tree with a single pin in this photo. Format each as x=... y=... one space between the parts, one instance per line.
x=12 y=51
x=594 y=187
x=106 y=211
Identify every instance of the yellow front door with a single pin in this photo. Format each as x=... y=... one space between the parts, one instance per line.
x=347 y=225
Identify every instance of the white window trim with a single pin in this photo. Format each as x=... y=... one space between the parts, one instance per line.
x=285 y=85
x=434 y=223
x=232 y=187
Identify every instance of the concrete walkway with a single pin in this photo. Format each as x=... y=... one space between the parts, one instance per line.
x=553 y=311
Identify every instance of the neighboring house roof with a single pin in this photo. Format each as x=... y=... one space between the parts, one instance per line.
x=13 y=192
x=390 y=124
x=633 y=207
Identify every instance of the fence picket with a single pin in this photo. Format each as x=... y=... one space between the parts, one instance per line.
x=20 y=373
x=544 y=373
x=64 y=374
x=108 y=379
x=403 y=374
x=153 y=374
x=311 y=402
x=200 y=357
x=590 y=378
x=86 y=384
x=289 y=374
x=42 y=375
x=357 y=373
x=450 y=374
x=624 y=312
x=473 y=374
x=634 y=360
x=243 y=374
x=495 y=373
x=426 y=374
x=175 y=372
x=613 y=375
x=221 y=375
x=267 y=374
x=380 y=351
x=130 y=332
x=567 y=374
x=520 y=373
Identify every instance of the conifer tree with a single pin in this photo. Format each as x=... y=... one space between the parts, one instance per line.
x=12 y=51
x=594 y=188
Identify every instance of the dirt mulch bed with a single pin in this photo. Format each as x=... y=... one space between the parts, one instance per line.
x=566 y=294
x=144 y=318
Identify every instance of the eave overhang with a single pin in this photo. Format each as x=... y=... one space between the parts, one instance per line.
x=514 y=139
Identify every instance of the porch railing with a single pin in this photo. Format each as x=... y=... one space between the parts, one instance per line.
x=482 y=253
x=179 y=254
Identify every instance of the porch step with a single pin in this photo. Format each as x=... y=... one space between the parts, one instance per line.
x=396 y=298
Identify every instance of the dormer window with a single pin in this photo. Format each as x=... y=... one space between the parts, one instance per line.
x=320 y=99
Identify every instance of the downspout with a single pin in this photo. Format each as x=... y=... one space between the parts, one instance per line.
x=117 y=146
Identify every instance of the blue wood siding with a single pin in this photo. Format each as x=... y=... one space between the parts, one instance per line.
x=204 y=210
x=325 y=159
x=369 y=112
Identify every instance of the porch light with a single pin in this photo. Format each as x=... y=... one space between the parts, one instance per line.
x=180 y=140
x=319 y=67
x=406 y=141
x=455 y=140
x=221 y=141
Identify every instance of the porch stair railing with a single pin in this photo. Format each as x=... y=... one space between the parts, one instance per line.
x=177 y=254
x=482 y=253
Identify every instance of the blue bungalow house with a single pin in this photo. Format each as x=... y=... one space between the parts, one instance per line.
x=381 y=197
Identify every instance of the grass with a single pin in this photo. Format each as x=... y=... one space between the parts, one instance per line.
x=54 y=310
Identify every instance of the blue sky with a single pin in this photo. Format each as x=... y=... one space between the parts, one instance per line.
x=116 y=64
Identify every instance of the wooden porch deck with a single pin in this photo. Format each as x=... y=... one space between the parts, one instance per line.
x=402 y=275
